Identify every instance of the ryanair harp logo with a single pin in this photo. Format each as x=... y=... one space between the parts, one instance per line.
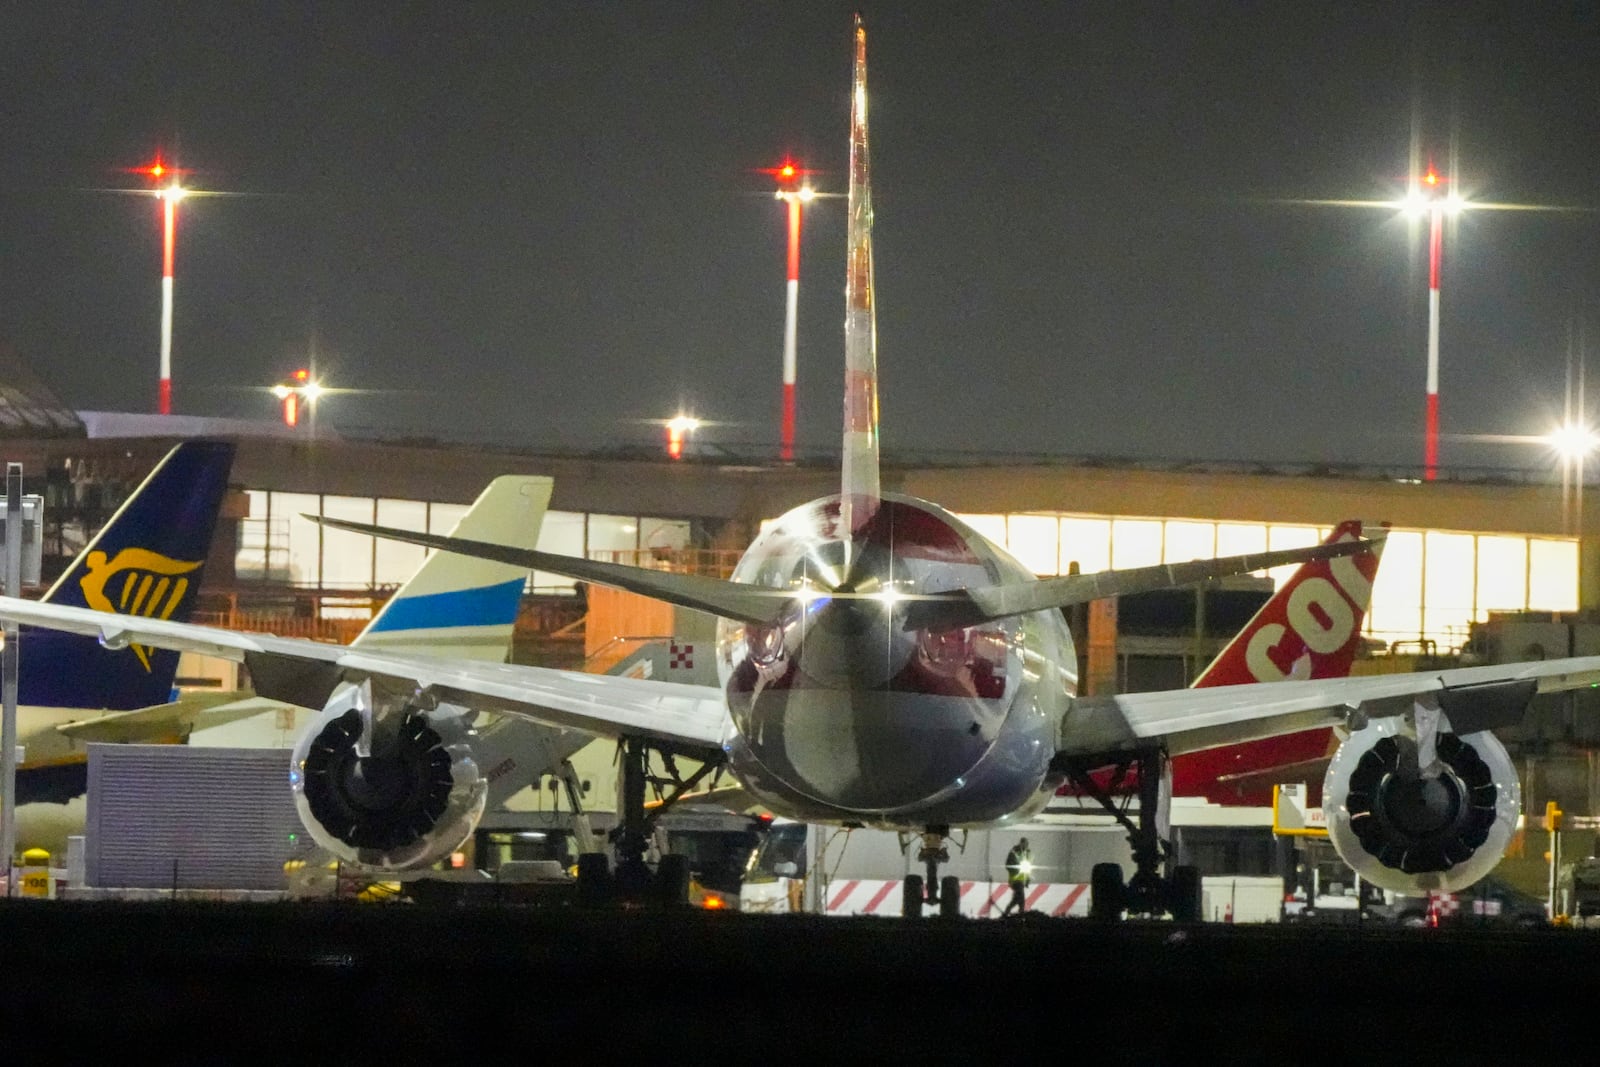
x=136 y=582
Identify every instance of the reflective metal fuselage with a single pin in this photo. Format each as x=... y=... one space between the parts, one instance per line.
x=841 y=713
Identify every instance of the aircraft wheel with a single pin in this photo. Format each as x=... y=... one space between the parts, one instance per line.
x=911 y=897
x=1186 y=896
x=950 y=897
x=672 y=880
x=594 y=880
x=1106 y=893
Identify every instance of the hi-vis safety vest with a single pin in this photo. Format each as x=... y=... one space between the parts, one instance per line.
x=1016 y=874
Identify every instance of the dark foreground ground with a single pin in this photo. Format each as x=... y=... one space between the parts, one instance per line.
x=219 y=982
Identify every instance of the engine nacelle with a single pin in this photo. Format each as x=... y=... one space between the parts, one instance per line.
x=1412 y=825
x=387 y=784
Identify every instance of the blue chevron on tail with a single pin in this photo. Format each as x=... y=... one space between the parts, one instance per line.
x=148 y=560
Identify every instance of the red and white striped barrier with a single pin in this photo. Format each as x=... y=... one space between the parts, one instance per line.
x=979 y=900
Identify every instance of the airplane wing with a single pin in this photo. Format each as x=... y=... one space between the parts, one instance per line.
x=190 y=712
x=1186 y=720
x=690 y=717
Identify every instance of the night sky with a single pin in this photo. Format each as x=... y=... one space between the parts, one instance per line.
x=542 y=223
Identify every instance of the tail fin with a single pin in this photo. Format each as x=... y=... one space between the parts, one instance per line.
x=1310 y=628
x=464 y=607
x=148 y=560
x=859 y=490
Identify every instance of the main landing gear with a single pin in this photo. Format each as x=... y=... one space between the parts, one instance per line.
x=632 y=882
x=918 y=891
x=1148 y=893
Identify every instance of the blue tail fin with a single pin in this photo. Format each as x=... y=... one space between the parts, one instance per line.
x=148 y=560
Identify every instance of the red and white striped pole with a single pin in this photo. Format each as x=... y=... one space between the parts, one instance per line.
x=791 y=326
x=1430 y=447
x=169 y=203
x=795 y=192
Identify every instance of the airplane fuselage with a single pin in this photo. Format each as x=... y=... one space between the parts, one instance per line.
x=842 y=712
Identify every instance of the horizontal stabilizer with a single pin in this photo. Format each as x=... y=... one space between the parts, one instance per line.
x=1003 y=601
x=190 y=712
x=730 y=600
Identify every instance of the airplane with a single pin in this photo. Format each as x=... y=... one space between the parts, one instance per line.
x=455 y=603
x=882 y=664
x=148 y=559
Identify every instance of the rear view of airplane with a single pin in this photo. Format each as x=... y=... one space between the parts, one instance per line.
x=882 y=664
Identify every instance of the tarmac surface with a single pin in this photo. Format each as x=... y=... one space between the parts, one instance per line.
x=213 y=982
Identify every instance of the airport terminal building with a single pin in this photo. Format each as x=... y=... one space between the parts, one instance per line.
x=1503 y=554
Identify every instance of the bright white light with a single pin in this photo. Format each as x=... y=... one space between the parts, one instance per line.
x=1572 y=440
x=1416 y=202
x=684 y=424
x=806 y=194
x=280 y=391
x=1455 y=204
x=173 y=192
x=311 y=390
x=890 y=596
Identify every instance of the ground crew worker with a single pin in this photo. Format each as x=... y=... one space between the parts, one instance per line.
x=1019 y=870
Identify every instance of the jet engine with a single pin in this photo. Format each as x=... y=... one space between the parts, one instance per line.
x=1414 y=807
x=387 y=782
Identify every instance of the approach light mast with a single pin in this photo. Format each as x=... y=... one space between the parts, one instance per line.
x=1431 y=194
x=794 y=190
x=169 y=190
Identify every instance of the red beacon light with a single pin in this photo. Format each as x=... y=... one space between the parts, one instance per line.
x=295 y=391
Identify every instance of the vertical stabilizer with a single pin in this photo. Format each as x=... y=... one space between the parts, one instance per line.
x=859 y=487
x=463 y=607
x=148 y=560
x=1310 y=628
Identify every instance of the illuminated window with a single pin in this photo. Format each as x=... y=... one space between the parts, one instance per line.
x=1552 y=575
x=1397 y=591
x=1035 y=541
x=1135 y=543
x=258 y=550
x=1237 y=539
x=1086 y=542
x=1502 y=575
x=1190 y=540
x=663 y=533
x=1281 y=537
x=562 y=533
x=613 y=537
x=300 y=535
x=442 y=518
x=346 y=556
x=991 y=526
x=1447 y=580
x=396 y=561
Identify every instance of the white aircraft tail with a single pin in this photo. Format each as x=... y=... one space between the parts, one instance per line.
x=460 y=606
x=859 y=489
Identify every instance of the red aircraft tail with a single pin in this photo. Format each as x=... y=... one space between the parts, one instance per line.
x=1310 y=628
